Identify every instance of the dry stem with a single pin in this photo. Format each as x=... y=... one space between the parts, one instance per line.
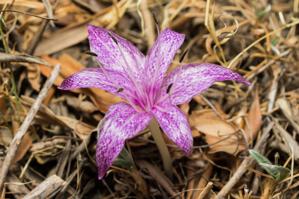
x=157 y=135
x=243 y=167
x=46 y=188
x=11 y=153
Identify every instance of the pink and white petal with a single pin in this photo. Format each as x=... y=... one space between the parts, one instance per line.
x=120 y=123
x=189 y=80
x=97 y=77
x=162 y=53
x=175 y=125
x=115 y=52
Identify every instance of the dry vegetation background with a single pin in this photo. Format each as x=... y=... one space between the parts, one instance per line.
x=55 y=158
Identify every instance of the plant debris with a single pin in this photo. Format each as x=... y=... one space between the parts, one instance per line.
x=51 y=154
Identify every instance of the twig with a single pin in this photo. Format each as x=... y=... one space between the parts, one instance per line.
x=148 y=23
x=49 y=10
x=11 y=153
x=289 y=141
x=87 y=6
x=5 y=57
x=203 y=182
x=46 y=188
x=205 y=192
x=29 y=14
x=158 y=175
x=37 y=37
x=16 y=186
x=247 y=162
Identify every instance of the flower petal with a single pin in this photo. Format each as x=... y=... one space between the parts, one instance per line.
x=162 y=53
x=175 y=125
x=121 y=122
x=187 y=81
x=115 y=52
x=97 y=77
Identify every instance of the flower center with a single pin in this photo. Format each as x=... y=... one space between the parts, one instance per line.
x=145 y=98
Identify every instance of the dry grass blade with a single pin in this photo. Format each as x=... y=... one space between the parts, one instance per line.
x=5 y=57
x=243 y=167
x=158 y=175
x=289 y=141
x=287 y=111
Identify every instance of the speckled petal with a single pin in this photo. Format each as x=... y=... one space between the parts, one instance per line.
x=120 y=123
x=187 y=81
x=115 y=52
x=97 y=77
x=162 y=53
x=175 y=125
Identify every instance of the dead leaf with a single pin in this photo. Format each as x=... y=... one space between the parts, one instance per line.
x=34 y=76
x=254 y=119
x=81 y=105
x=219 y=134
x=5 y=136
x=81 y=129
x=45 y=150
x=2 y=105
x=46 y=71
x=185 y=108
x=25 y=144
x=70 y=36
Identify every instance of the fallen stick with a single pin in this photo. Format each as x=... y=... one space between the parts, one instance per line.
x=205 y=192
x=247 y=162
x=11 y=153
x=46 y=188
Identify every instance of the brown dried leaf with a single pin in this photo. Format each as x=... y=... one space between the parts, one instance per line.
x=5 y=136
x=70 y=36
x=81 y=129
x=219 y=134
x=25 y=144
x=81 y=105
x=254 y=119
x=34 y=76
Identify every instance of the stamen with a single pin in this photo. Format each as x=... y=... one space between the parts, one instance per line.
x=91 y=53
x=184 y=54
x=139 y=93
x=156 y=23
x=169 y=87
x=112 y=37
x=120 y=90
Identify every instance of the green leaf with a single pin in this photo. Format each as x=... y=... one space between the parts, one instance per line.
x=259 y=157
x=124 y=160
x=276 y=171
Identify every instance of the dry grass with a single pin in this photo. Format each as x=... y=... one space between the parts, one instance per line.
x=259 y=39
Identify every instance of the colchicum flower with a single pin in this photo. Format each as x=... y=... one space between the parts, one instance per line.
x=148 y=92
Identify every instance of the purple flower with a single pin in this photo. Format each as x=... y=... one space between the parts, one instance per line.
x=147 y=90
